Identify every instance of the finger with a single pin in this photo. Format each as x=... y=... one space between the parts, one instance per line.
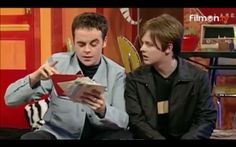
x=88 y=101
x=92 y=104
x=44 y=75
x=91 y=94
x=54 y=71
x=53 y=63
x=96 y=92
x=48 y=70
x=90 y=98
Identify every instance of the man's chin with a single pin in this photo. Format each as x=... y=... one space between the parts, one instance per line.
x=146 y=62
x=88 y=63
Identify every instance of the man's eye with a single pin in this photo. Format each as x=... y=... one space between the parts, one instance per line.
x=150 y=45
x=93 y=44
x=80 y=44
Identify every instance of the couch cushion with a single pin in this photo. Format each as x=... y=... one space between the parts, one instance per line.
x=35 y=112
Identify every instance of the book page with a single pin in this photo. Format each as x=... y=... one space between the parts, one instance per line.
x=75 y=88
x=78 y=91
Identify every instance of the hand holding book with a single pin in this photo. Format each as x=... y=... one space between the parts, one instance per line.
x=75 y=86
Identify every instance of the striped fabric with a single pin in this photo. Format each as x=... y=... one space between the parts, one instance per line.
x=35 y=112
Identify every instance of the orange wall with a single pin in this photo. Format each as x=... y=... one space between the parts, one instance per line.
x=118 y=26
x=45 y=33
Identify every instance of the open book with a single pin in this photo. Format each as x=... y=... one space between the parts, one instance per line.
x=75 y=86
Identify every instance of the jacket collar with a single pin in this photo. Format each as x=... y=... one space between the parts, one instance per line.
x=185 y=72
x=182 y=74
x=146 y=78
x=101 y=74
x=75 y=68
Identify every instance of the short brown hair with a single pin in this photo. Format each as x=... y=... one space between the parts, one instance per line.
x=90 y=20
x=166 y=29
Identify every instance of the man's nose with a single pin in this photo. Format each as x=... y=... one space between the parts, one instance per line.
x=87 y=48
x=142 y=48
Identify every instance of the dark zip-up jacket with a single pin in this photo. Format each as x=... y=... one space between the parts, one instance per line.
x=192 y=114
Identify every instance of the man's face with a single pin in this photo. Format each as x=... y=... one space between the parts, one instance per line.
x=151 y=54
x=88 y=45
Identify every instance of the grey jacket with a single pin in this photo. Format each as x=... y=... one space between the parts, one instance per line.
x=64 y=118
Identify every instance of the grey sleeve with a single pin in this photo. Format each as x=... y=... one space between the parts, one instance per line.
x=20 y=92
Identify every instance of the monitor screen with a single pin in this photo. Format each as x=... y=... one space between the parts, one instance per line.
x=215 y=32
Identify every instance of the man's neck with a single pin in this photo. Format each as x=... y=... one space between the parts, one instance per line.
x=89 y=70
x=167 y=67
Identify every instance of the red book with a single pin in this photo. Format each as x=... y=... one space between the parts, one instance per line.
x=57 y=78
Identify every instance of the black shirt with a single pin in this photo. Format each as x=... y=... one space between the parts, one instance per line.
x=163 y=93
x=88 y=71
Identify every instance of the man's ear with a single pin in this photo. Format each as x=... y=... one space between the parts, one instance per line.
x=105 y=42
x=169 y=48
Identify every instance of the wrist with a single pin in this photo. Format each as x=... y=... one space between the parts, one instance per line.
x=33 y=79
x=102 y=113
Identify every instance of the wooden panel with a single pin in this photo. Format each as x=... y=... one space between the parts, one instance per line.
x=14 y=27
x=12 y=11
x=12 y=53
x=19 y=56
x=57 y=40
x=45 y=33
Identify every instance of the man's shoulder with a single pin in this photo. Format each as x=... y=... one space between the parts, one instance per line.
x=143 y=69
x=141 y=73
x=112 y=64
x=192 y=68
x=62 y=55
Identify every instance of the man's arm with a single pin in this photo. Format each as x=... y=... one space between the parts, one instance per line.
x=30 y=87
x=204 y=122
x=138 y=124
